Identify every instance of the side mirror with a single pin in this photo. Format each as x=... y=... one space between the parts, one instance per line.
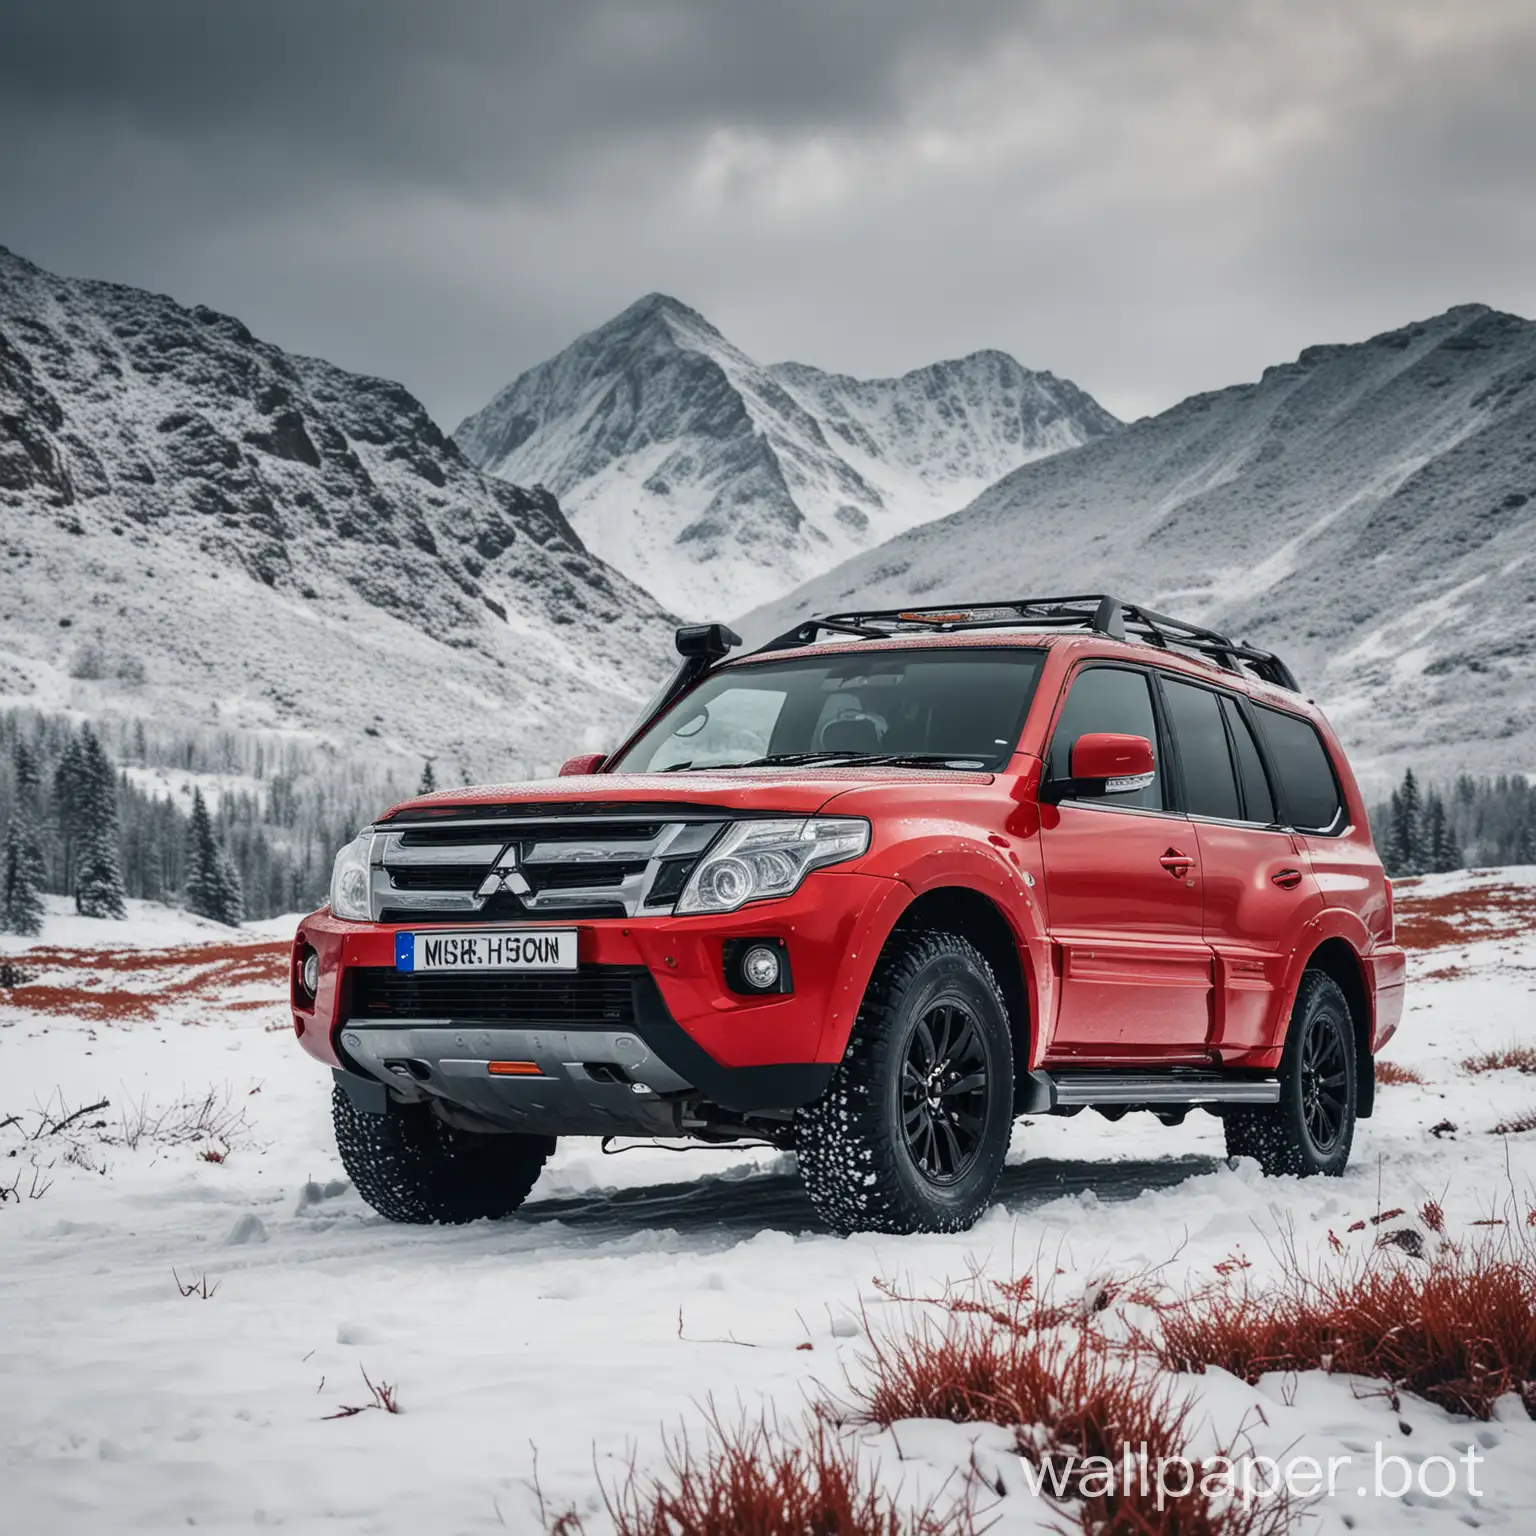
x=1105 y=763
x=586 y=762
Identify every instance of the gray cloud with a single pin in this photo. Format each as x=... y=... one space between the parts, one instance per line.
x=1150 y=196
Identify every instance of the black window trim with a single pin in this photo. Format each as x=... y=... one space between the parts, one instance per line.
x=1159 y=747
x=1341 y=823
x=1266 y=762
x=1266 y=767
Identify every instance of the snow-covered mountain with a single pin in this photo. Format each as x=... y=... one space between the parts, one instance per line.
x=716 y=482
x=1368 y=510
x=197 y=525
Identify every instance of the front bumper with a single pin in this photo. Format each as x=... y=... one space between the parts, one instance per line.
x=690 y=1036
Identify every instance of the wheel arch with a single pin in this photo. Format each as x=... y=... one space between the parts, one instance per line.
x=1337 y=958
x=979 y=919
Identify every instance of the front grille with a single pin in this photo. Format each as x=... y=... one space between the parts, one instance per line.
x=594 y=997
x=438 y=877
x=562 y=868
x=577 y=877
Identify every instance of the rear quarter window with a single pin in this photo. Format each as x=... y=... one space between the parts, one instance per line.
x=1308 y=785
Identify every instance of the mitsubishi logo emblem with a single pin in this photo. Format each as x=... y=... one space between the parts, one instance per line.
x=505 y=875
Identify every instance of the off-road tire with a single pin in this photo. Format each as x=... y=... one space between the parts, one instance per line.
x=409 y=1166
x=854 y=1153
x=1280 y=1135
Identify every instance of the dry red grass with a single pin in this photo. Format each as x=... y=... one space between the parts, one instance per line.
x=1517 y=1126
x=1459 y=1330
x=1460 y=917
x=383 y=1394
x=203 y=972
x=1080 y=1403
x=751 y=1480
x=1513 y=1058
x=1392 y=1072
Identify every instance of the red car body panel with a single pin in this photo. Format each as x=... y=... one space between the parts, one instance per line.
x=1153 y=938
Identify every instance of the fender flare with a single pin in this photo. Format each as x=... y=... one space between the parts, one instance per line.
x=944 y=861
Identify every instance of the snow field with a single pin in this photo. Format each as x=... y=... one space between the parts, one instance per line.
x=632 y=1290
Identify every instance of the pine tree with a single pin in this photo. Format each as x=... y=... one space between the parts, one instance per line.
x=1440 y=851
x=21 y=876
x=69 y=797
x=23 y=869
x=98 y=877
x=231 y=892
x=1525 y=844
x=213 y=884
x=1391 y=849
x=428 y=779
x=1405 y=842
x=202 y=888
x=152 y=870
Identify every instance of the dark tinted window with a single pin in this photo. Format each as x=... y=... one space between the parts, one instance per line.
x=964 y=706
x=1307 y=784
x=1210 y=785
x=1107 y=699
x=1258 y=802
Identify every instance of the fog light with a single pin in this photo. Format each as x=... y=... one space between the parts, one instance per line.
x=309 y=973
x=760 y=968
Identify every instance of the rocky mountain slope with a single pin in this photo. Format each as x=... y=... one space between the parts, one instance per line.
x=197 y=525
x=1368 y=510
x=716 y=482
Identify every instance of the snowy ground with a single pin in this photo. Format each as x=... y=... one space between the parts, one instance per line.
x=631 y=1289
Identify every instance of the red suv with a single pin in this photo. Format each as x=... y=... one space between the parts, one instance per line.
x=869 y=893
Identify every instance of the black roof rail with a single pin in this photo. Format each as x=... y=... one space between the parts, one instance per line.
x=1096 y=612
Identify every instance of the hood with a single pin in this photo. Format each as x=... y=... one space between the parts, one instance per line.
x=772 y=791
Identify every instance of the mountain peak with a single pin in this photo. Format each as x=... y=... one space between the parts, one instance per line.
x=714 y=481
x=658 y=303
x=658 y=311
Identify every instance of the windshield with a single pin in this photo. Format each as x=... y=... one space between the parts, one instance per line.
x=960 y=708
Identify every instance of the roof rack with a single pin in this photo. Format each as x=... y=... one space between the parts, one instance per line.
x=1096 y=612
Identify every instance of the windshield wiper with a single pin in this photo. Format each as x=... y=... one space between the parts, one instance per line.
x=924 y=760
x=773 y=760
x=828 y=757
x=796 y=759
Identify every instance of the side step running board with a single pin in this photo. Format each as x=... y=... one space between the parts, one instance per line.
x=1150 y=1090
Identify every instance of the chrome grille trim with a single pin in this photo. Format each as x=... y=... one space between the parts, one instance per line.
x=613 y=846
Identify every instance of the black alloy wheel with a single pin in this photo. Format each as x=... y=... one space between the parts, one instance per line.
x=944 y=1092
x=1324 y=1079
x=1312 y=1127
x=911 y=1133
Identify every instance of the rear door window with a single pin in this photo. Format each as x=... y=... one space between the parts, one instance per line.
x=1210 y=782
x=1108 y=699
x=1308 y=788
x=1258 y=799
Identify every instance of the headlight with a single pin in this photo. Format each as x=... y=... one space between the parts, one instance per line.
x=758 y=859
x=351 y=880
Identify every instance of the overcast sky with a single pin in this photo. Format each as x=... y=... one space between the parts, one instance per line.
x=1150 y=197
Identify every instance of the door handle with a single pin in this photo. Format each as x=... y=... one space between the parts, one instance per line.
x=1286 y=879
x=1177 y=864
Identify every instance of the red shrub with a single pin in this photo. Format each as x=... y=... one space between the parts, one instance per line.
x=1459 y=1330
x=1080 y=1405
x=1517 y=1058
x=1522 y=1123
x=753 y=1481
x=1391 y=1072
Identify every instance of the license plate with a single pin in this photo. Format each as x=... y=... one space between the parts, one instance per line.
x=487 y=950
